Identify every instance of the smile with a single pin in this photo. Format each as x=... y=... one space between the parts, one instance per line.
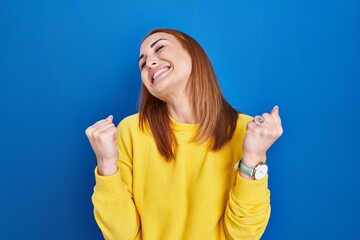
x=159 y=72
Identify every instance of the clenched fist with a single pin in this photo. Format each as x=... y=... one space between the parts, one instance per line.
x=261 y=133
x=102 y=137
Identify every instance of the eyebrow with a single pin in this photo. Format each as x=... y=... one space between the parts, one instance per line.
x=151 y=46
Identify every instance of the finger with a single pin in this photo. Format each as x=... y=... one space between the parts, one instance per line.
x=251 y=125
x=275 y=115
x=88 y=131
x=275 y=109
x=110 y=118
x=111 y=131
x=102 y=122
x=108 y=132
x=258 y=120
x=268 y=118
x=99 y=127
x=106 y=120
x=106 y=127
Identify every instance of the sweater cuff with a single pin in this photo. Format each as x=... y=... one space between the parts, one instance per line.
x=248 y=190
x=109 y=185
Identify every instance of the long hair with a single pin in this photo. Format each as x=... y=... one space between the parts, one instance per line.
x=216 y=117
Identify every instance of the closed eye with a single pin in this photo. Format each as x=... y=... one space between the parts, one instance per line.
x=159 y=48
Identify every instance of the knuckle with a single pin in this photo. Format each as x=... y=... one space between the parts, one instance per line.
x=281 y=131
x=87 y=131
x=258 y=131
x=95 y=135
x=98 y=135
x=250 y=125
x=274 y=133
x=264 y=132
x=265 y=115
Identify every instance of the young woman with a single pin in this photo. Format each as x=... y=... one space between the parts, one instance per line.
x=168 y=171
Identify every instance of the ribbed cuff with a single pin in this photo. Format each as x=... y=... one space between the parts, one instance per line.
x=248 y=190
x=109 y=185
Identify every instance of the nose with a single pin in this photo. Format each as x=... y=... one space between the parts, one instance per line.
x=151 y=63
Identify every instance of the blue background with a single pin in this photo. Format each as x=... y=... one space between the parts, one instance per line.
x=66 y=64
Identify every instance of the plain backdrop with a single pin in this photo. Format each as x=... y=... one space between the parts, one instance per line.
x=66 y=64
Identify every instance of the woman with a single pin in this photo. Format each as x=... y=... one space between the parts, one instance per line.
x=167 y=172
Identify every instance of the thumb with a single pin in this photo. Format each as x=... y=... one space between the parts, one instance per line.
x=110 y=118
x=275 y=109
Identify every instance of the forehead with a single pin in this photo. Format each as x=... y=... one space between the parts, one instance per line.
x=154 y=37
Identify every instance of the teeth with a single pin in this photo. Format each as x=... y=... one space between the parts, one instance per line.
x=160 y=71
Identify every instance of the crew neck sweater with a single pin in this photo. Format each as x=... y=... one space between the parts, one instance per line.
x=198 y=196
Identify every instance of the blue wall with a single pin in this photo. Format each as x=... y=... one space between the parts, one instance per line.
x=65 y=64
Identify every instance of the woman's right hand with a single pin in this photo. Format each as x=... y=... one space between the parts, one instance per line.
x=102 y=137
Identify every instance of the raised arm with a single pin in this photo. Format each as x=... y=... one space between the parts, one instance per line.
x=114 y=207
x=248 y=208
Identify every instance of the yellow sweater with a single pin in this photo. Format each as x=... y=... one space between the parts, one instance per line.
x=197 y=196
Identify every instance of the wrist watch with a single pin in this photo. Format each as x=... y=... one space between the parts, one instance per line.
x=257 y=173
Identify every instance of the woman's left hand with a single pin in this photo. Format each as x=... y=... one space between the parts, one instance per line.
x=261 y=133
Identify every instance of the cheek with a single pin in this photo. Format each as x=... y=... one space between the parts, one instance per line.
x=143 y=76
x=187 y=63
x=187 y=67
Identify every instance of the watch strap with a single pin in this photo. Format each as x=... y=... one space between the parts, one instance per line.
x=246 y=169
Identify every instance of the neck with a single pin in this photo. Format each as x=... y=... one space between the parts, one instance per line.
x=180 y=110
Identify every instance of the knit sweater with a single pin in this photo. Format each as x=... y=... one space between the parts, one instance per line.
x=198 y=196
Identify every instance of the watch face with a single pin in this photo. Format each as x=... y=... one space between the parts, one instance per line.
x=261 y=171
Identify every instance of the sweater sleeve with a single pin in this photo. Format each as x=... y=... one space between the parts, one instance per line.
x=248 y=209
x=114 y=208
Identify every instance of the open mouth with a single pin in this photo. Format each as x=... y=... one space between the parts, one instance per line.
x=159 y=73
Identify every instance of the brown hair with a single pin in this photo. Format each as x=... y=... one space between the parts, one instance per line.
x=216 y=118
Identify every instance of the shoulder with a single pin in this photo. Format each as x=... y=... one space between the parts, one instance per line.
x=129 y=122
x=243 y=119
x=134 y=118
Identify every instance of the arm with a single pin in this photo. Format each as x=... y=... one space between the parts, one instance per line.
x=248 y=209
x=114 y=207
